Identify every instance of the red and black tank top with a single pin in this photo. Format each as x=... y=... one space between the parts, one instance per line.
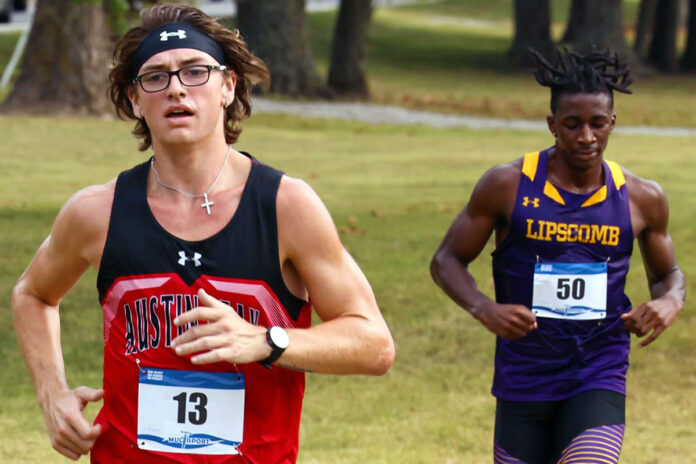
x=148 y=276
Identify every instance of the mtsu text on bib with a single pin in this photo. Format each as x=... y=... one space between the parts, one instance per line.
x=190 y=412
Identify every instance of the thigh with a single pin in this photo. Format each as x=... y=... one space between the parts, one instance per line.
x=589 y=426
x=523 y=432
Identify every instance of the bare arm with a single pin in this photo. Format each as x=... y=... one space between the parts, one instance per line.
x=57 y=265
x=488 y=209
x=353 y=337
x=650 y=215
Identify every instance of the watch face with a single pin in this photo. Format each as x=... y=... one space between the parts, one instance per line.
x=279 y=337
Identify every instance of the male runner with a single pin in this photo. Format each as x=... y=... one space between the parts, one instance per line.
x=564 y=221
x=207 y=261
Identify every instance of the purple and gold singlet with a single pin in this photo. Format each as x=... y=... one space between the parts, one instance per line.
x=566 y=257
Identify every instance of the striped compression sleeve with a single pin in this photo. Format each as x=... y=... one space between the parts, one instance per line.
x=598 y=445
x=500 y=456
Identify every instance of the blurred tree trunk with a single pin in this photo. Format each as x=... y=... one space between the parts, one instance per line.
x=688 y=59
x=645 y=27
x=275 y=31
x=575 y=20
x=347 y=74
x=532 y=29
x=663 y=49
x=66 y=62
x=602 y=27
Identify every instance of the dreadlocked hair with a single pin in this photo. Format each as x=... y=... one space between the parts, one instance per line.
x=573 y=73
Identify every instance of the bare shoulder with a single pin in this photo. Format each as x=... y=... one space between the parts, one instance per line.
x=643 y=190
x=296 y=199
x=303 y=219
x=83 y=221
x=648 y=200
x=76 y=241
x=495 y=191
x=502 y=176
x=292 y=190
x=91 y=205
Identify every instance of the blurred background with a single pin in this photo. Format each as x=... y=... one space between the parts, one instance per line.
x=391 y=110
x=55 y=53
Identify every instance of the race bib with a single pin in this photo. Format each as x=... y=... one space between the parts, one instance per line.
x=190 y=412
x=576 y=291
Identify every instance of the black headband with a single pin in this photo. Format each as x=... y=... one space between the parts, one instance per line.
x=174 y=35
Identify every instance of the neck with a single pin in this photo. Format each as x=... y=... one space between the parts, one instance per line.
x=191 y=167
x=573 y=179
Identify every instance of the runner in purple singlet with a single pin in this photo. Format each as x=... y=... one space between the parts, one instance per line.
x=565 y=220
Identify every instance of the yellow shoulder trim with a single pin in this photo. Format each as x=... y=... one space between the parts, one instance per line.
x=598 y=197
x=529 y=164
x=551 y=192
x=616 y=174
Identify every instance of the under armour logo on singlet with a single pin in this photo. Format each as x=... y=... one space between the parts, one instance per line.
x=164 y=35
x=526 y=202
x=183 y=258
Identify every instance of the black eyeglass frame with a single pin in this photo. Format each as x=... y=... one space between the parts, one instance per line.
x=209 y=67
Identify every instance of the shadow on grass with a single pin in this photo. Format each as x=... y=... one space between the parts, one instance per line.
x=415 y=48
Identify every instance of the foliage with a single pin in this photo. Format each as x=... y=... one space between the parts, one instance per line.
x=7 y=45
x=118 y=15
x=117 y=11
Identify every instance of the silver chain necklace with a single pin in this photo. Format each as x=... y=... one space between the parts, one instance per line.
x=207 y=203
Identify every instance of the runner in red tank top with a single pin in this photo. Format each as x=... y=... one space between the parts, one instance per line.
x=207 y=261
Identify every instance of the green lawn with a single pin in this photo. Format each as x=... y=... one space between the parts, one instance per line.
x=392 y=192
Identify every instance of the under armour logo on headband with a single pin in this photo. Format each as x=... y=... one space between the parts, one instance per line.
x=164 y=35
x=171 y=36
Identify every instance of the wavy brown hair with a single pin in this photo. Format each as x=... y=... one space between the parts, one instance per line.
x=249 y=69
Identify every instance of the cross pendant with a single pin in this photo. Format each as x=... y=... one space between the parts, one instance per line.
x=207 y=203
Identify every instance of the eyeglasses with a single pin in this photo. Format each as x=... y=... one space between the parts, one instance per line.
x=189 y=76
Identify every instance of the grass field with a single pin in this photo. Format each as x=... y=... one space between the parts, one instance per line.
x=392 y=192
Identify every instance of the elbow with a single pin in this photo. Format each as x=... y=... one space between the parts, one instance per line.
x=382 y=357
x=15 y=296
x=23 y=299
x=436 y=267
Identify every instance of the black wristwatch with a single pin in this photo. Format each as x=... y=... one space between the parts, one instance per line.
x=278 y=338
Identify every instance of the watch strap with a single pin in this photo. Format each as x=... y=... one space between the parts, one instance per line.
x=276 y=351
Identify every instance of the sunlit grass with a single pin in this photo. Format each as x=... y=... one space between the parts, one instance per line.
x=392 y=192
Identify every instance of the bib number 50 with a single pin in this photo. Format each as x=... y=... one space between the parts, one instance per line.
x=570 y=287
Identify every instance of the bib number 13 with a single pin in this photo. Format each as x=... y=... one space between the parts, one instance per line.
x=190 y=412
x=199 y=414
x=570 y=287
